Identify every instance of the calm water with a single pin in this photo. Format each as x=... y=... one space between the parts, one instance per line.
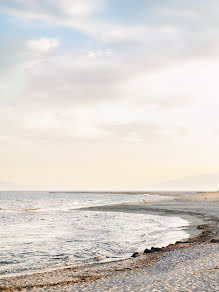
x=39 y=230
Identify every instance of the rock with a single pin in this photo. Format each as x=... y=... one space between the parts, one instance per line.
x=135 y=254
x=147 y=250
x=155 y=249
x=215 y=240
x=178 y=242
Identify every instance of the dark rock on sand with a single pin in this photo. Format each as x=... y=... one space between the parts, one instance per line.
x=147 y=250
x=155 y=249
x=135 y=254
x=215 y=240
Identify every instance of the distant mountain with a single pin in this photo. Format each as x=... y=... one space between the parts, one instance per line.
x=4 y=185
x=198 y=183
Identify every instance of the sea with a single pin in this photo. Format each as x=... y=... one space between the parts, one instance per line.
x=50 y=230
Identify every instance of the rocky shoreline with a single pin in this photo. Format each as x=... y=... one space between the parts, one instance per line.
x=206 y=236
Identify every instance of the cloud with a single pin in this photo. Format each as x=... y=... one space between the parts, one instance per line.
x=140 y=34
x=72 y=13
x=16 y=65
x=182 y=13
x=52 y=8
x=138 y=131
x=43 y=44
x=93 y=94
x=81 y=15
x=162 y=26
x=99 y=53
x=100 y=97
x=139 y=85
x=76 y=8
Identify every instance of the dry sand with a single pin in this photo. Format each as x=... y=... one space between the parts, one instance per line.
x=184 y=269
x=213 y=197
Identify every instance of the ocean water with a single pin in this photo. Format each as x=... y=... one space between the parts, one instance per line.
x=43 y=230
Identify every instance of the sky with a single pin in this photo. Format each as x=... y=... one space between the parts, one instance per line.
x=109 y=94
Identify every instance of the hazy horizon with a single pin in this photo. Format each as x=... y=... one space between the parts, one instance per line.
x=109 y=95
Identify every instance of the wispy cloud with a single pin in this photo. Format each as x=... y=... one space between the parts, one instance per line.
x=43 y=44
x=81 y=15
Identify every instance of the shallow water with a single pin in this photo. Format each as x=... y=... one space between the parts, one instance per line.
x=40 y=230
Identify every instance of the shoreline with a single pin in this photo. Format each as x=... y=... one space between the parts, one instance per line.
x=193 y=219
x=204 y=226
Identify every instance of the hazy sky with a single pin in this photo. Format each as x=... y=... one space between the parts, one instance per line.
x=108 y=94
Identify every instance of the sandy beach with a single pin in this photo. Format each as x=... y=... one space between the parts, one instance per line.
x=189 y=265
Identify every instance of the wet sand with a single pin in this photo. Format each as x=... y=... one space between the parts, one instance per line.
x=191 y=265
